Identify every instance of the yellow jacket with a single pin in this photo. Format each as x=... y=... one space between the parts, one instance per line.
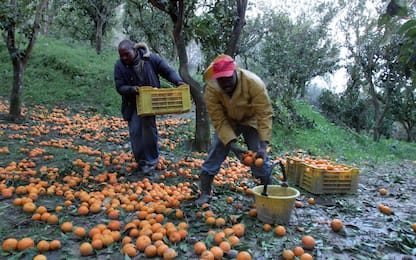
x=250 y=105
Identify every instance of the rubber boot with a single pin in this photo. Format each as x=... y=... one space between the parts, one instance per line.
x=206 y=188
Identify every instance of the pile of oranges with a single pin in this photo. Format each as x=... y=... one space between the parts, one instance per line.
x=249 y=159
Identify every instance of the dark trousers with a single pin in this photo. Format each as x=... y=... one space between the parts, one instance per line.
x=144 y=139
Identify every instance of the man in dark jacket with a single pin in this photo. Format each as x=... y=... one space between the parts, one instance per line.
x=138 y=67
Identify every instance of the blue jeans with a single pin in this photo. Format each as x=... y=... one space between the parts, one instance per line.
x=144 y=139
x=218 y=152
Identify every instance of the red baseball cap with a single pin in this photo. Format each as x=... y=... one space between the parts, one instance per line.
x=223 y=67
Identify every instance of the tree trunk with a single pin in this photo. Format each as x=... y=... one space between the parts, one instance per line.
x=202 y=127
x=17 y=89
x=20 y=58
x=99 y=35
x=238 y=27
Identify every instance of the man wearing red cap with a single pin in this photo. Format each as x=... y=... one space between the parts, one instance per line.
x=238 y=104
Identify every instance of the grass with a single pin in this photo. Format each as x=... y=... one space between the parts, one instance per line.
x=62 y=74
x=327 y=139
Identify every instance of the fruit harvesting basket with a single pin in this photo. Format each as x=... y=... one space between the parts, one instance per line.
x=161 y=101
x=329 y=179
x=319 y=176
x=294 y=169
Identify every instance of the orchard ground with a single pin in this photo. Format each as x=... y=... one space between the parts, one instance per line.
x=63 y=159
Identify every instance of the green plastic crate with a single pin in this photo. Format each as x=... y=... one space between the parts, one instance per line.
x=161 y=101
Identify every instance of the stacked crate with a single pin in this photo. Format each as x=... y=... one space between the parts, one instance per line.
x=320 y=176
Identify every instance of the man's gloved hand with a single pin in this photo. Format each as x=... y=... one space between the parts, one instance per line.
x=262 y=151
x=135 y=89
x=237 y=150
x=180 y=83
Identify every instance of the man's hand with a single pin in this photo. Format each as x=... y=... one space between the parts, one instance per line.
x=180 y=83
x=238 y=151
x=262 y=151
x=135 y=89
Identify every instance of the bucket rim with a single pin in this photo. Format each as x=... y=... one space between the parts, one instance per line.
x=258 y=194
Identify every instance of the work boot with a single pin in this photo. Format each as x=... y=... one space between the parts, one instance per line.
x=206 y=188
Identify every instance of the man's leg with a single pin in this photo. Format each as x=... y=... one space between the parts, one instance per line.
x=212 y=164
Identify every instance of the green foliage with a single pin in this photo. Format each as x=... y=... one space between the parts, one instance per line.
x=64 y=74
x=213 y=28
x=396 y=11
x=144 y=23
x=327 y=139
x=292 y=52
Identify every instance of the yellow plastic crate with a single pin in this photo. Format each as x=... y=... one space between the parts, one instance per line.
x=294 y=169
x=322 y=181
x=161 y=101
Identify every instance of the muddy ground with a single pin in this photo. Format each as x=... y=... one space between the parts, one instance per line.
x=368 y=233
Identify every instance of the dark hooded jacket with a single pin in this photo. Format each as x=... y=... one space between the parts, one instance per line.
x=145 y=71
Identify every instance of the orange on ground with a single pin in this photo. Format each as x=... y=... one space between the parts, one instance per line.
x=219 y=222
x=97 y=244
x=40 y=257
x=86 y=249
x=414 y=227
x=80 y=232
x=225 y=246
x=169 y=254
x=66 y=227
x=207 y=255
x=308 y=242
x=10 y=244
x=298 y=250
x=114 y=225
x=174 y=237
x=54 y=244
x=162 y=249
x=210 y=221
x=24 y=243
x=298 y=204
x=199 y=247
x=43 y=245
x=83 y=210
x=150 y=251
x=252 y=213
x=311 y=201
x=382 y=191
x=29 y=207
x=306 y=256
x=267 y=227
x=234 y=240
x=217 y=252
x=239 y=229
x=288 y=254
x=129 y=250
x=107 y=239
x=243 y=255
x=219 y=237
x=337 y=225
x=142 y=242
x=280 y=231
x=53 y=219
